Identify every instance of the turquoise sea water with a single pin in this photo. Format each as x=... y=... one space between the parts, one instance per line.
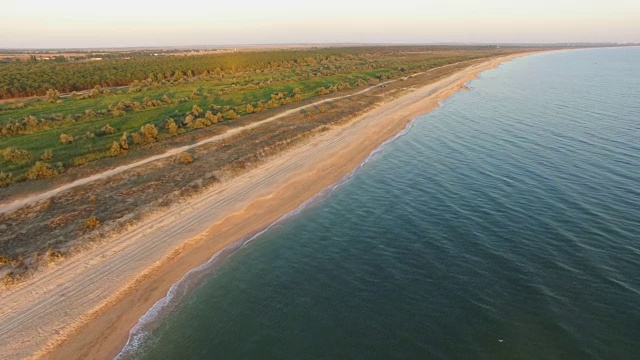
x=503 y=225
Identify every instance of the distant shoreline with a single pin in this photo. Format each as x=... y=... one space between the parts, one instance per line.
x=242 y=208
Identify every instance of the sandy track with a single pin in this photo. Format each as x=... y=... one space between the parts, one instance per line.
x=85 y=307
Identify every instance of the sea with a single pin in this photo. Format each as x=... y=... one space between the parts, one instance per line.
x=503 y=225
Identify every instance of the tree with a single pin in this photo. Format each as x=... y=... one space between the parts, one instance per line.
x=149 y=132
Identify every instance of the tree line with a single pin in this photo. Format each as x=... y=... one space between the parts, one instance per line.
x=28 y=78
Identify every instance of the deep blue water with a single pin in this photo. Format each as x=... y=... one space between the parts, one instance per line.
x=503 y=225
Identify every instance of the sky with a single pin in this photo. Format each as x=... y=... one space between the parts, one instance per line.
x=126 y=23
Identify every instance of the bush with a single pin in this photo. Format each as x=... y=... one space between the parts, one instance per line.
x=5 y=179
x=92 y=222
x=230 y=115
x=53 y=256
x=137 y=139
x=115 y=149
x=66 y=139
x=16 y=156
x=171 y=127
x=185 y=158
x=213 y=118
x=108 y=129
x=52 y=95
x=196 y=110
x=149 y=132
x=47 y=155
x=41 y=170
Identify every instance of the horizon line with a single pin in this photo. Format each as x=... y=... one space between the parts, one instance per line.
x=327 y=44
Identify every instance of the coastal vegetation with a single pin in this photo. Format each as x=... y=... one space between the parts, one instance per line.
x=86 y=111
x=60 y=137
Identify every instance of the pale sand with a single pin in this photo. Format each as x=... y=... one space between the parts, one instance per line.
x=85 y=307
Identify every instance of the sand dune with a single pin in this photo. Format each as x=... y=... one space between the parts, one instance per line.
x=85 y=307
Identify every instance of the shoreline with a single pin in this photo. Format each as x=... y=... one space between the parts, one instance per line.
x=235 y=211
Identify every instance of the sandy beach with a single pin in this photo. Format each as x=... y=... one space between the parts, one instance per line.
x=85 y=307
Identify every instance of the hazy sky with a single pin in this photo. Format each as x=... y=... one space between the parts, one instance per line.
x=115 y=23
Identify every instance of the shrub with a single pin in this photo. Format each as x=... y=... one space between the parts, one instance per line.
x=196 y=110
x=188 y=120
x=5 y=179
x=115 y=149
x=230 y=115
x=108 y=129
x=92 y=222
x=66 y=139
x=53 y=256
x=47 y=155
x=212 y=118
x=185 y=158
x=53 y=95
x=137 y=139
x=201 y=123
x=41 y=170
x=171 y=127
x=124 y=141
x=149 y=132
x=16 y=156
